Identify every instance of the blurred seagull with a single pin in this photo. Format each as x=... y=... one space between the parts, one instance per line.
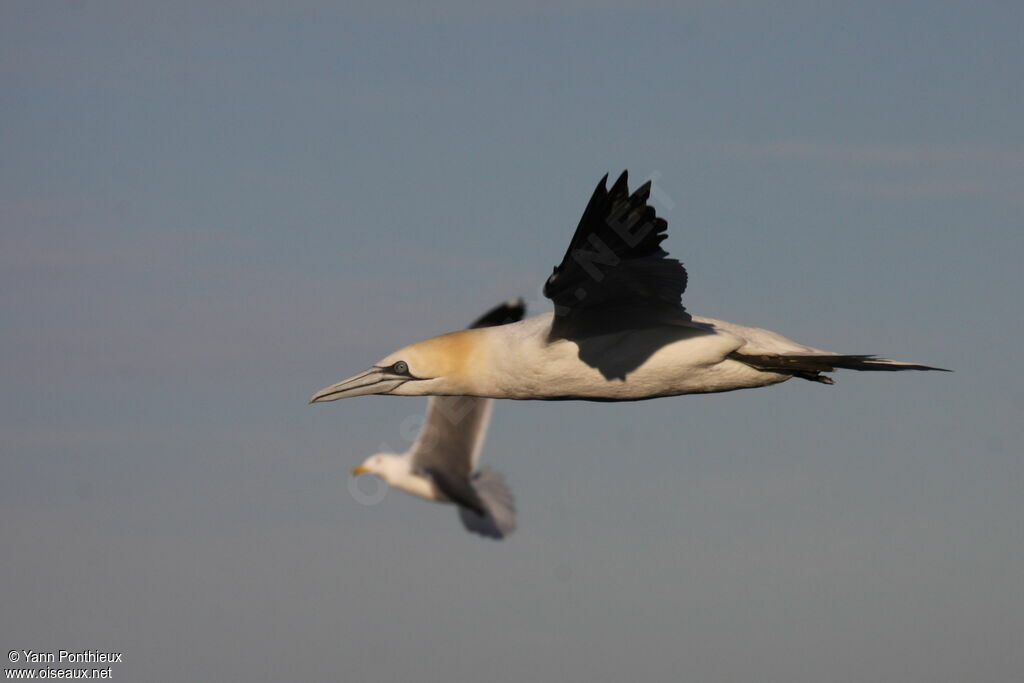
x=441 y=465
x=619 y=331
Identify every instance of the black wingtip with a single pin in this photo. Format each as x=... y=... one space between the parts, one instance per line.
x=508 y=312
x=621 y=186
x=615 y=262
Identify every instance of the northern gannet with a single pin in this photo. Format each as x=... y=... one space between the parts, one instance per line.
x=441 y=465
x=619 y=331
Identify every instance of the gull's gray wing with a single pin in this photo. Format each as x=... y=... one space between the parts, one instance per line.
x=453 y=433
x=454 y=428
x=615 y=275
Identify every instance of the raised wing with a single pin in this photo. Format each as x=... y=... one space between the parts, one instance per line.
x=453 y=433
x=615 y=275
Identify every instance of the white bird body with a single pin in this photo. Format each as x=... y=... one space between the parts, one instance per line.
x=396 y=469
x=441 y=466
x=518 y=361
x=619 y=331
x=522 y=364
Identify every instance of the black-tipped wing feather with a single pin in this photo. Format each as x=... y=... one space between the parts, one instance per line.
x=508 y=312
x=499 y=503
x=615 y=275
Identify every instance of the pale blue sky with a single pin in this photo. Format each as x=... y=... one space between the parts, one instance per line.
x=210 y=210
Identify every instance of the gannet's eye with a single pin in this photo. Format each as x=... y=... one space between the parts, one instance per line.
x=400 y=368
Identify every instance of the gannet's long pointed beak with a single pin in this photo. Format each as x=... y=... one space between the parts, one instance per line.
x=373 y=381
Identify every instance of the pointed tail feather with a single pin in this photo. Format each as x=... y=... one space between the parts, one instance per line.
x=809 y=366
x=500 y=520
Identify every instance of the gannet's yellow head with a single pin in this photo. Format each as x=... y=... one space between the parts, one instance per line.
x=439 y=366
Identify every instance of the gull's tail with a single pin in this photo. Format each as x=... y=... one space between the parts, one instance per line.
x=810 y=366
x=500 y=505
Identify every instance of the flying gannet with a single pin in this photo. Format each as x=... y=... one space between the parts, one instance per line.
x=619 y=331
x=441 y=465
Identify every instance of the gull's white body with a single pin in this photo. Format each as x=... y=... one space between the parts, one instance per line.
x=448 y=447
x=396 y=469
x=454 y=430
x=452 y=437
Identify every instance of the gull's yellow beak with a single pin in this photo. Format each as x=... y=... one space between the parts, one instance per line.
x=360 y=470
